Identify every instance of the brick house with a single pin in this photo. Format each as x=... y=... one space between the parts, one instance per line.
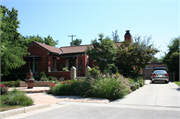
x=51 y=60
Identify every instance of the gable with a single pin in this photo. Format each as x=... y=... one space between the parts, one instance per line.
x=36 y=50
x=48 y=48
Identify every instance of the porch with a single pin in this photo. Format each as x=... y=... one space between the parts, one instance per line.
x=67 y=75
x=79 y=61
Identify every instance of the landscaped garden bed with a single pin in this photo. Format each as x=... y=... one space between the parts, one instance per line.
x=107 y=86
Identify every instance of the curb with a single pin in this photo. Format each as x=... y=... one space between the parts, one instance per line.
x=21 y=110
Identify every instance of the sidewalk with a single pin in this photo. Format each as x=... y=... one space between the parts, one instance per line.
x=39 y=95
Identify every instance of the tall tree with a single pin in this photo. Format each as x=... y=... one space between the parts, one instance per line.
x=76 y=42
x=49 y=41
x=155 y=59
x=115 y=36
x=136 y=55
x=171 y=59
x=28 y=39
x=11 y=50
x=103 y=52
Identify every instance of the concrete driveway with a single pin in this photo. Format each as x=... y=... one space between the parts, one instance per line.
x=156 y=94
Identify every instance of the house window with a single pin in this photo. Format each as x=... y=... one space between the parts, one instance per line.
x=54 y=63
x=33 y=65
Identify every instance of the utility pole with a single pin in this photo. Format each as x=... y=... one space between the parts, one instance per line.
x=72 y=37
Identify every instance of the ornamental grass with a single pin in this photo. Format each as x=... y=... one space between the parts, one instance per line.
x=16 y=97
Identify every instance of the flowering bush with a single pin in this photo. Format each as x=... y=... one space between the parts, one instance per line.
x=2 y=85
x=64 y=88
x=4 y=89
x=52 y=85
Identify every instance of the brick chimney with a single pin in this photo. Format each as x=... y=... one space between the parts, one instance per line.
x=127 y=36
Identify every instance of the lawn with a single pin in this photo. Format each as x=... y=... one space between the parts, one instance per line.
x=177 y=82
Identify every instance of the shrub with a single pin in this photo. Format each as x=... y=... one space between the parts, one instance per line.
x=16 y=97
x=65 y=69
x=141 y=82
x=11 y=83
x=105 y=86
x=61 y=79
x=63 y=88
x=42 y=75
x=112 y=69
x=55 y=80
x=44 y=79
x=138 y=78
x=4 y=89
x=94 y=72
x=51 y=77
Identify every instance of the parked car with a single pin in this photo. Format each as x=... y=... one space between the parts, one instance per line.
x=160 y=75
x=160 y=68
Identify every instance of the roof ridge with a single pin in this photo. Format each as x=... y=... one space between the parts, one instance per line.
x=48 y=47
x=44 y=44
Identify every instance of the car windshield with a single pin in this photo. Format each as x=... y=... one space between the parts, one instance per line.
x=160 y=72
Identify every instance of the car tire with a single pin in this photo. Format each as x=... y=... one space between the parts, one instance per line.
x=152 y=81
x=166 y=81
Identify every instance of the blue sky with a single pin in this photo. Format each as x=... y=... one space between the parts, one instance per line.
x=88 y=18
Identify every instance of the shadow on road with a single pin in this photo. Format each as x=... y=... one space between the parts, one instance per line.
x=158 y=82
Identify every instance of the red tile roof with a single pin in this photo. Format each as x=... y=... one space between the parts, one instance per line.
x=68 y=49
x=49 y=48
x=73 y=49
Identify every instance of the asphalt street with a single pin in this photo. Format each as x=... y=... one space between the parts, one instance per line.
x=75 y=111
x=152 y=101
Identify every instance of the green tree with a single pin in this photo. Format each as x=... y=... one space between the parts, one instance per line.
x=28 y=39
x=171 y=59
x=103 y=52
x=11 y=50
x=49 y=41
x=115 y=36
x=155 y=59
x=136 y=55
x=76 y=42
